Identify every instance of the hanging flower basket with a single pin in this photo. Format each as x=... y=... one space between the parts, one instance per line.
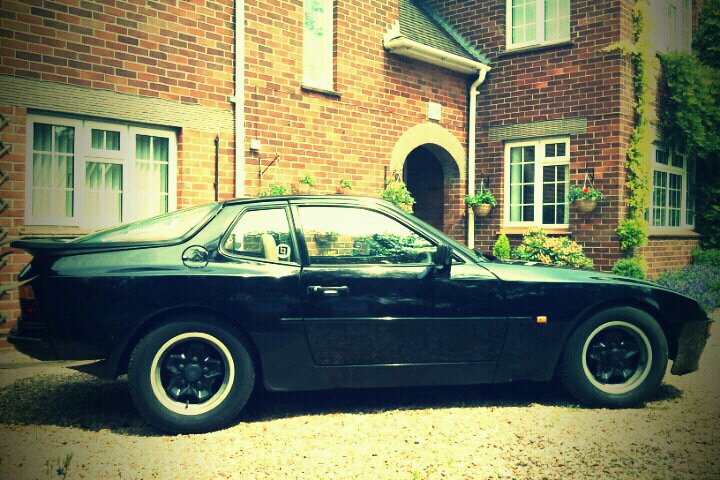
x=482 y=209
x=586 y=205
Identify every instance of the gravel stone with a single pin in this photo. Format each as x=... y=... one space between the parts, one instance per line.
x=513 y=431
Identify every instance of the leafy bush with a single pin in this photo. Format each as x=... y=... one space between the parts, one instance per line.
x=501 y=249
x=632 y=233
x=635 y=267
x=538 y=247
x=701 y=282
x=706 y=257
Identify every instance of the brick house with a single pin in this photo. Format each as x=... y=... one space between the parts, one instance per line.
x=115 y=110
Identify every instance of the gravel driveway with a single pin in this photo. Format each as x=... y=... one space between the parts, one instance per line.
x=508 y=431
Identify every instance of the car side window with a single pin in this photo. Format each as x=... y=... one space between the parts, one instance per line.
x=262 y=233
x=349 y=235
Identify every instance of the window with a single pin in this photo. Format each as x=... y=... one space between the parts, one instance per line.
x=536 y=182
x=158 y=229
x=671 y=24
x=672 y=203
x=94 y=175
x=343 y=235
x=263 y=233
x=318 y=44
x=537 y=22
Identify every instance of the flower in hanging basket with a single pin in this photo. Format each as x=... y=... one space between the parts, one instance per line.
x=586 y=193
x=585 y=198
x=481 y=202
x=396 y=192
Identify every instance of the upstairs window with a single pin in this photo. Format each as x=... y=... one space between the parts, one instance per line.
x=94 y=175
x=537 y=22
x=671 y=25
x=318 y=44
x=672 y=202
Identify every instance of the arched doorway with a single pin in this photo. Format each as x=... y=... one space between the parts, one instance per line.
x=426 y=181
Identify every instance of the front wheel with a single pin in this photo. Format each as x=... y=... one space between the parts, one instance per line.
x=616 y=359
x=190 y=376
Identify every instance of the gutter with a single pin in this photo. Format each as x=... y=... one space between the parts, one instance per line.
x=398 y=44
x=472 y=114
x=239 y=98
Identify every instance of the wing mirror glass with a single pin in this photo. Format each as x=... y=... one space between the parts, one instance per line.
x=442 y=259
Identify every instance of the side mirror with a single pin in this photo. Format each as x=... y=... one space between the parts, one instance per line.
x=442 y=259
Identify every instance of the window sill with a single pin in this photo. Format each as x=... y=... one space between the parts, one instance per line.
x=672 y=233
x=321 y=91
x=536 y=48
x=525 y=230
x=52 y=231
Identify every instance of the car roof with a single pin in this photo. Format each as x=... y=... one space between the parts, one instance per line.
x=334 y=198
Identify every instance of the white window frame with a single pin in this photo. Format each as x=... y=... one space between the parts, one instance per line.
x=83 y=153
x=671 y=34
x=328 y=59
x=540 y=162
x=539 y=39
x=668 y=170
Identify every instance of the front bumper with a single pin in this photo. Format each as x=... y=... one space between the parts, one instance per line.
x=33 y=346
x=691 y=344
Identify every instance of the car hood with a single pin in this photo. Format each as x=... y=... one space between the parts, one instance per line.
x=540 y=272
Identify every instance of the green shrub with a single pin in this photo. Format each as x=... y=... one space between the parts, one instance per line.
x=538 y=247
x=632 y=233
x=706 y=257
x=501 y=249
x=635 y=267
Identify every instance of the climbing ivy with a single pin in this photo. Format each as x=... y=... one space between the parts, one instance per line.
x=632 y=231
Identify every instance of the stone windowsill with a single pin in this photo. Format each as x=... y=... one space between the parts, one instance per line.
x=525 y=230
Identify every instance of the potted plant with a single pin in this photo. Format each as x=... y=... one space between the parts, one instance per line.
x=274 y=190
x=304 y=185
x=481 y=202
x=396 y=192
x=344 y=187
x=585 y=197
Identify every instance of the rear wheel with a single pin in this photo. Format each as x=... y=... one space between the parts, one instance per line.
x=190 y=376
x=615 y=359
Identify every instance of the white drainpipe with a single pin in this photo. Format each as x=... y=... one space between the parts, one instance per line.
x=239 y=98
x=471 y=152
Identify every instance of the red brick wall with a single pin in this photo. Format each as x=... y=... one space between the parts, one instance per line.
x=577 y=80
x=667 y=254
x=176 y=50
x=351 y=137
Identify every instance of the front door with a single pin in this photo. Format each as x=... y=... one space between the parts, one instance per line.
x=371 y=294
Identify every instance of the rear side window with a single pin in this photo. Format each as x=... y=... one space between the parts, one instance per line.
x=263 y=233
x=169 y=226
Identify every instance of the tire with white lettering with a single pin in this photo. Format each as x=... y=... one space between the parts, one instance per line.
x=615 y=359
x=191 y=376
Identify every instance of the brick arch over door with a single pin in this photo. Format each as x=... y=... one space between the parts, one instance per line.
x=451 y=153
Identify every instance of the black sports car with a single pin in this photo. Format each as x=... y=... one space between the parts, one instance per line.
x=202 y=305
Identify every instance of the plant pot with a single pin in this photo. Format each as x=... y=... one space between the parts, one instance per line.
x=586 y=205
x=342 y=190
x=406 y=207
x=302 y=188
x=482 y=209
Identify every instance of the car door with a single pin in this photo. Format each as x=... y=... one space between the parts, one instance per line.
x=371 y=293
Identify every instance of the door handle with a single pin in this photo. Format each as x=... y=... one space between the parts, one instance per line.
x=328 y=291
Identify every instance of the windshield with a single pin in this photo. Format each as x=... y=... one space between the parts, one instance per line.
x=168 y=226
